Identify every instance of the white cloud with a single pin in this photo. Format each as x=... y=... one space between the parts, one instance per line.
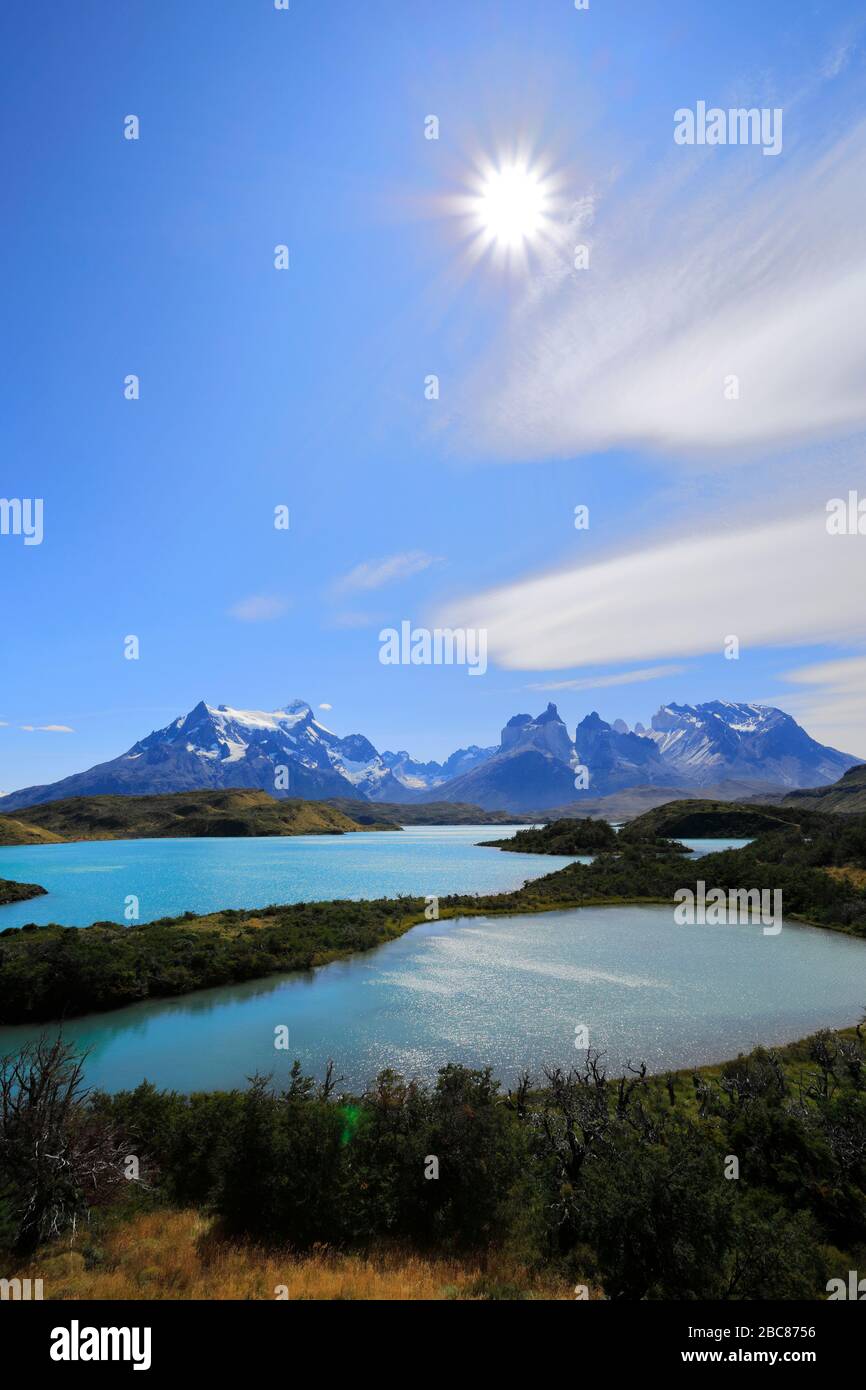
x=374 y=573
x=325 y=706
x=647 y=673
x=260 y=608
x=836 y=61
x=788 y=582
x=47 y=729
x=732 y=264
x=835 y=709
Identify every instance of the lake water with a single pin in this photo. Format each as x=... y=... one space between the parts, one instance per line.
x=90 y=881
x=504 y=992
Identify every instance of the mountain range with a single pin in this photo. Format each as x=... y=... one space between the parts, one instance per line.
x=290 y=753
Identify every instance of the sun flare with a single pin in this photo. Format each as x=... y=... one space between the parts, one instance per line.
x=510 y=208
x=512 y=205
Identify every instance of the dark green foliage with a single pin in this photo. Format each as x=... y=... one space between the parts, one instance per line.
x=561 y=837
x=618 y=1181
x=54 y=972
x=18 y=892
x=710 y=819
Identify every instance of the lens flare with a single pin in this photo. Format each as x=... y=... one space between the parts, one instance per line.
x=511 y=205
x=510 y=209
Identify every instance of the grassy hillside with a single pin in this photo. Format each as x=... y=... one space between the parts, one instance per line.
x=178 y=815
x=17 y=892
x=848 y=795
x=709 y=820
x=184 y=1254
x=18 y=832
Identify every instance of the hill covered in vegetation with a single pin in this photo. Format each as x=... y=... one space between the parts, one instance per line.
x=847 y=796
x=18 y=892
x=17 y=832
x=696 y=820
x=176 y=815
x=579 y=836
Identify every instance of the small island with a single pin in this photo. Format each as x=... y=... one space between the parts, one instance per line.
x=560 y=837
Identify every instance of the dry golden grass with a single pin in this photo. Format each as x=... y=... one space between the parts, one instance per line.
x=848 y=874
x=179 y=1255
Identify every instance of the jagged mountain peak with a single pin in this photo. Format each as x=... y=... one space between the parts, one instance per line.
x=550 y=714
x=298 y=707
x=723 y=739
x=214 y=746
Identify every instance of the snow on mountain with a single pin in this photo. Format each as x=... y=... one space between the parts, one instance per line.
x=287 y=752
x=721 y=740
x=290 y=753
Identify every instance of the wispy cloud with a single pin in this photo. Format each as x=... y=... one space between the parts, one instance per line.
x=46 y=728
x=836 y=61
x=787 y=582
x=647 y=673
x=373 y=574
x=323 y=705
x=353 y=620
x=834 y=709
x=719 y=268
x=260 y=608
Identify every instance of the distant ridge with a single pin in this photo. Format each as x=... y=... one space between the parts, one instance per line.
x=291 y=755
x=235 y=813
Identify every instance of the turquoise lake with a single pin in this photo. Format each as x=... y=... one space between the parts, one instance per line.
x=505 y=992
x=90 y=881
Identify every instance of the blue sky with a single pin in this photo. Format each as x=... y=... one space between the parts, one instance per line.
x=306 y=387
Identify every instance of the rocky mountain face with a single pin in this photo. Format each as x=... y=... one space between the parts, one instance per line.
x=722 y=740
x=534 y=766
x=537 y=764
x=290 y=753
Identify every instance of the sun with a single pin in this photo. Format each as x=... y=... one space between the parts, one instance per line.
x=510 y=208
x=512 y=205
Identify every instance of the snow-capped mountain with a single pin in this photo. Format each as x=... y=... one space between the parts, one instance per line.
x=419 y=777
x=720 y=740
x=687 y=747
x=533 y=767
x=290 y=753
x=536 y=764
x=286 y=752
